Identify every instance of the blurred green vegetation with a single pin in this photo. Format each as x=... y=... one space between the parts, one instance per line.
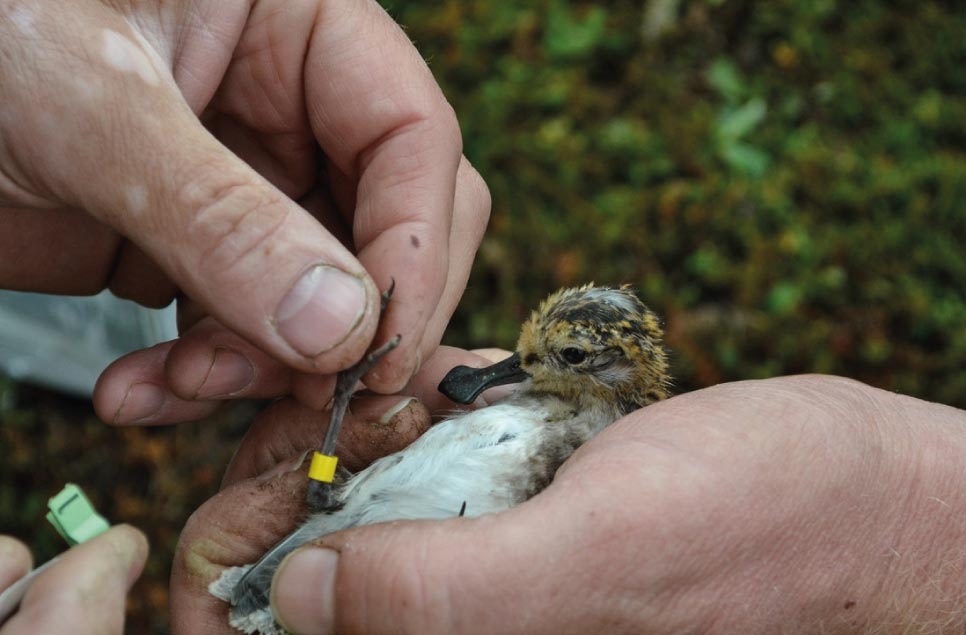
x=784 y=181
x=152 y=478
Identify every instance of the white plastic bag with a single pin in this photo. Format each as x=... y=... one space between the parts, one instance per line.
x=65 y=342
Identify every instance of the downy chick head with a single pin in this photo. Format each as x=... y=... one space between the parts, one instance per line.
x=595 y=345
x=590 y=346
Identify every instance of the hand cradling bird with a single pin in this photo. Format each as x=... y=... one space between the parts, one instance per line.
x=586 y=357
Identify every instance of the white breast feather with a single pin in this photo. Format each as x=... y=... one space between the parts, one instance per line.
x=450 y=464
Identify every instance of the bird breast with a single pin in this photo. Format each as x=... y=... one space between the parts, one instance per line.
x=484 y=461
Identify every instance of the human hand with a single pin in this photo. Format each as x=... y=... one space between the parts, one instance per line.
x=83 y=592
x=263 y=491
x=325 y=163
x=792 y=505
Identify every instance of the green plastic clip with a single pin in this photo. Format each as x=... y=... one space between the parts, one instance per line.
x=73 y=516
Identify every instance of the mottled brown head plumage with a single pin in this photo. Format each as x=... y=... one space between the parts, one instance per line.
x=596 y=345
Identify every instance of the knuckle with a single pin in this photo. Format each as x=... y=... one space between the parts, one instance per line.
x=480 y=200
x=471 y=213
x=450 y=122
x=232 y=220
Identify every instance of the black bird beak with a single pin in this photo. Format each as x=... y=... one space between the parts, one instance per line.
x=464 y=384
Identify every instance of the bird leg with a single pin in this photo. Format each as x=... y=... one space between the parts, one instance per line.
x=321 y=495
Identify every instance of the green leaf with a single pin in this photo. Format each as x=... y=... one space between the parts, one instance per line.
x=745 y=158
x=738 y=122
x=784 y=298
x=725 y=78
x=570 y=38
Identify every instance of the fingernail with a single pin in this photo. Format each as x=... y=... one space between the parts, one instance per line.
x=140 y=402
x=418 y=365
x=396 y=409
x=303 y=591
x=130 y=547
x=320 y=311
x=230 y=372
x=283 y=467
x=125 y=543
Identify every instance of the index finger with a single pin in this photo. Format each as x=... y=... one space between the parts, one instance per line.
x=394 y=148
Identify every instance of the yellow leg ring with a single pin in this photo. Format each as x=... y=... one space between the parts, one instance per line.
x=323 y=467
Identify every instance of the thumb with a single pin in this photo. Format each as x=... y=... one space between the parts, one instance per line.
x=84 y=591
x=116 y=138
x=498 y=573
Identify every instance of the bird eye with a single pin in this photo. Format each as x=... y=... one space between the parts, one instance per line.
x=573 y=355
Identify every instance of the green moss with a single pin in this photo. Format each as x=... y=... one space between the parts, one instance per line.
x=785 y=181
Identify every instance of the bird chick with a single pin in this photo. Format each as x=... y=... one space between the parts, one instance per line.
x=586 y=357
